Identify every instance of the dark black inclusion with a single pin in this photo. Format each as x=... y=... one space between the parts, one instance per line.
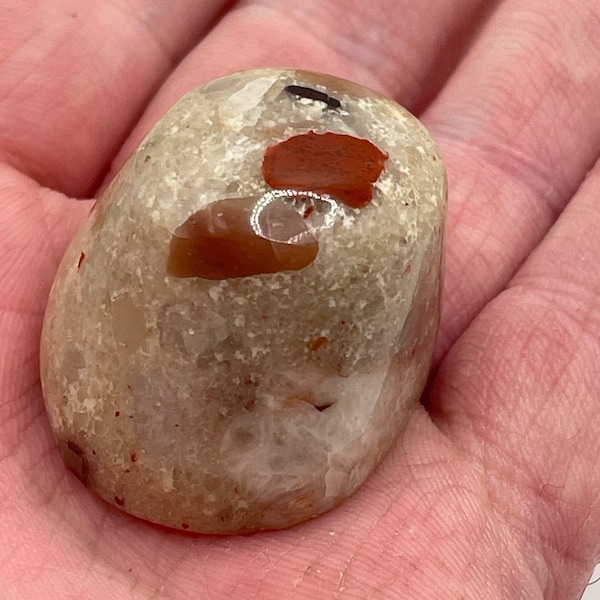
x=306 y=92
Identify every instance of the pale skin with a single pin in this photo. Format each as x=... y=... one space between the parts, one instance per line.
x=492 y=491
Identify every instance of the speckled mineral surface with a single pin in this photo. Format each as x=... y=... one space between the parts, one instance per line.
x=237 y=335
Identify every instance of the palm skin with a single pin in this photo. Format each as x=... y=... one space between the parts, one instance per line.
x=492 y=492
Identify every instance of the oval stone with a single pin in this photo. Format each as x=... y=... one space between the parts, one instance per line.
x=231 y=343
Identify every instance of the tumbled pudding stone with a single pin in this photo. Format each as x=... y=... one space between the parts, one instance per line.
x=240 y=331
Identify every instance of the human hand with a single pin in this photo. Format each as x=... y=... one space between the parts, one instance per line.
x=492 y=490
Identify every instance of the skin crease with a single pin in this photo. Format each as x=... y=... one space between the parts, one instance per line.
x=492 y=491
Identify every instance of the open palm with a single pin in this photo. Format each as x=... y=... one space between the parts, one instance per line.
x=492 y=492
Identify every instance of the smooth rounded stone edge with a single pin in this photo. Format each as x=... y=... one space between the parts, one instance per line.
x=258 y=402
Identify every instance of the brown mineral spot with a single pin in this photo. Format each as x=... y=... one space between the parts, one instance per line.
x=219 y=242
x=185 y=526
x=80 y=261
x=340 y=165
x=120 y=501
x=317 y=343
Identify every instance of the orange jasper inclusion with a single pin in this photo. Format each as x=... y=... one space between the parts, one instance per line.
x=343 y=166
x=219 y=242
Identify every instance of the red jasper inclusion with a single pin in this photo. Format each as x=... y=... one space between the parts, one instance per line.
x=340 y=165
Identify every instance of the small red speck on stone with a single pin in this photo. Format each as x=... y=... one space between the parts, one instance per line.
x=80 y=261
x=408 y=269
x=309 y=210
x=117 y=413
x=119 y=501
x=133 y=457
x=185 y=526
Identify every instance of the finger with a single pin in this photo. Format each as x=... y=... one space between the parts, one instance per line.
x=35 y=228
x=401 y=48
x=404 y=48
x=520 y=390
x=75 y=75
x=519 y=126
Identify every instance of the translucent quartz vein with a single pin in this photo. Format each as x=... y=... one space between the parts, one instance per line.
x=238 y=334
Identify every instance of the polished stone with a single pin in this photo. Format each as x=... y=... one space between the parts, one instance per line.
x=238 y=334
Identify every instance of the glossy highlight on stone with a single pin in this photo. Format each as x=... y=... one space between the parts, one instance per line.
x=238 y=334
x=219 y=242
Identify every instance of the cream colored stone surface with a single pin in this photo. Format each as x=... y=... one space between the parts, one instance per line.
x=200 y=404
